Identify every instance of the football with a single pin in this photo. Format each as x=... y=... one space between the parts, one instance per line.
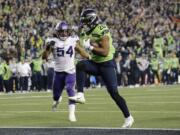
x=95 y=44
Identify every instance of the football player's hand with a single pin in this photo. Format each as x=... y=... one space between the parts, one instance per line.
x=44 y=55
x=87 y=44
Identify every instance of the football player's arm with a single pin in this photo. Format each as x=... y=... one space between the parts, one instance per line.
x=82 y=52
x=48 y=50
x=102 y=48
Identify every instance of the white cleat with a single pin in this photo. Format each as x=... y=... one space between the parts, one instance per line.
x=55 y=104
x=72 y=118
x=78 y=98
x=72 y=109
x=128 y=122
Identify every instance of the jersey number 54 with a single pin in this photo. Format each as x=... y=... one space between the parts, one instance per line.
x=61 y=51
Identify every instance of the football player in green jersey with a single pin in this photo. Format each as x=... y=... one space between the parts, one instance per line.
x=98 y=40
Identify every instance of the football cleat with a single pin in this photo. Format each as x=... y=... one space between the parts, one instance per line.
x=72 y=117
x=55 y=104
x=128 y=122
x=78 y=98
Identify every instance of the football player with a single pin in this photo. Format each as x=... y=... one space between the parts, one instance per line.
x=63 y=47
x=97 y=38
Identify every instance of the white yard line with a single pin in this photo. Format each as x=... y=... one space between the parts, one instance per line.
x=94 y=128
x=88 y=103
x=24 y=97
x=106 y=128
x=94 y=111
x=96 y=97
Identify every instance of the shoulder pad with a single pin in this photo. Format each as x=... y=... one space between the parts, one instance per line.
x=102 y=29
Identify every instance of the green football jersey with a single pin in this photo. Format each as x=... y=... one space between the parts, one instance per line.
x=170 y=40
x=158 y=45
x=95 y=36
x=154 y=63
x=175 y=62
x=7 y=73
x=37 y=63
x=166 y=63
x=1 y=68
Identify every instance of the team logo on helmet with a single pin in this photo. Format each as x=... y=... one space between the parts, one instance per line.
x=62 y=30
x=89 y=17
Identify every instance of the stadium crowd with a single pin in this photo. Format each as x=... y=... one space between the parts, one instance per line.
x=146 y=35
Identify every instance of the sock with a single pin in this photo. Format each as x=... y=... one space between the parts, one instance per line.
x=72 y=108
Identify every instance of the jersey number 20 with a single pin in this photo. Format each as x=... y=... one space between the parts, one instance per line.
x=61 y=51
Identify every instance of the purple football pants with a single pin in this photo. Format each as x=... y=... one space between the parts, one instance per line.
x=61 y=80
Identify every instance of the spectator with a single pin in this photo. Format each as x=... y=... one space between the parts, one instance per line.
x=154 y=65
x=134 y=71
x=7 y=77
x=15 y=79
x=1 y=76
x=24 y=72
x=143 y=65
x=93 y=81
x=36 y=67
x=175 y=65
x=118 y=59
x=44 y=75
x=50 y=74
x=137 y=26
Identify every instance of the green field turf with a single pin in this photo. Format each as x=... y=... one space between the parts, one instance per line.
x=152 y=107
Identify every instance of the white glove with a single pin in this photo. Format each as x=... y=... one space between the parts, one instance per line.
x=87 y=45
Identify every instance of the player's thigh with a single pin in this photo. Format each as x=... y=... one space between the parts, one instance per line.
x=87 y=66
x=59 y=81
x=109 y=77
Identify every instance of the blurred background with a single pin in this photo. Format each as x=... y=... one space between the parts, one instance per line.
x=146 y=35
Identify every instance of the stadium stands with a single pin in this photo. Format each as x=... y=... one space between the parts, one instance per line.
x=142 y=31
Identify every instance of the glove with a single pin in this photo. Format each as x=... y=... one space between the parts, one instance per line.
x=87 y=45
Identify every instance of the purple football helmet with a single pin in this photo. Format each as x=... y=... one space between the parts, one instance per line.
x=62 y=30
